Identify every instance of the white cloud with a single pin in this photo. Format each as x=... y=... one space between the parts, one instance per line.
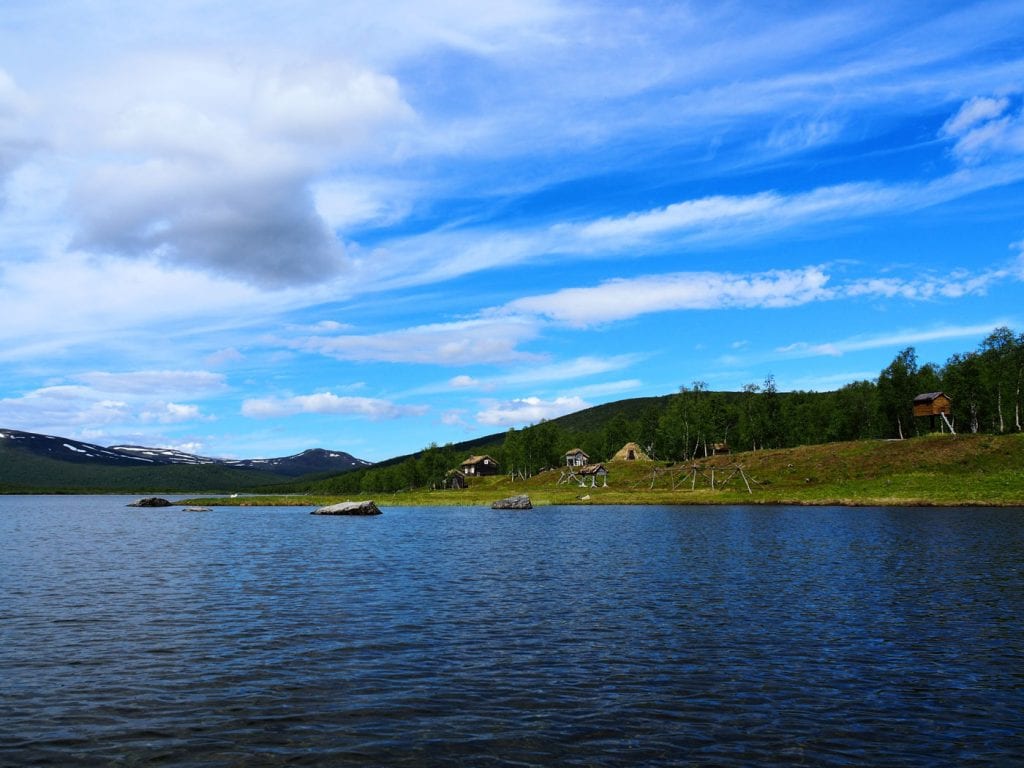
x=354 y=202
x=150 y=383
x=65 y=300
x=463 y=382
x=328 y=403
x=16 y=142
x=454 y=418
x=893 y=340
x=717 y=221
x=223 y=357
x=207 y=160
x=529 y=410
x=977 y=110
x=566 y=370
x=61 y=409
x=115 y=402
x=620 y=299
x=173 y=413
x=480 y=340
x=625 y=298
x=956 y=284
x=985 y=127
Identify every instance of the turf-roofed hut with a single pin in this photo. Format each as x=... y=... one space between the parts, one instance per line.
x=479 y=466
x=631 y=452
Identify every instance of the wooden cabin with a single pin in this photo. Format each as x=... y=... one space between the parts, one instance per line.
x=479 y=466
x=594 y=471
x=455 y=479
x=577 y=457
x=932 y=404
x=720 y=449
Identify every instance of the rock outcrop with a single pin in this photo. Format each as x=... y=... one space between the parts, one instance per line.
x=348 y=508
x=152 y=501
x=513 y=502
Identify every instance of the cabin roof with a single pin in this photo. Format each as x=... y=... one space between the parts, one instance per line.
x=928 y=397
x=476 y=460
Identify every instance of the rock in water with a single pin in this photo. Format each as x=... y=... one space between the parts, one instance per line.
x=152 y=501
x=348 y=508
x=513 y=502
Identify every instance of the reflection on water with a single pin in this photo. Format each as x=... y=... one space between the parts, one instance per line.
x=577 y=636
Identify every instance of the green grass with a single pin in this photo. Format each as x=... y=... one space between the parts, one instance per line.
x=936 y=470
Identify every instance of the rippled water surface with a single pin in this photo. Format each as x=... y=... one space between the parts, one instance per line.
x=562 y=636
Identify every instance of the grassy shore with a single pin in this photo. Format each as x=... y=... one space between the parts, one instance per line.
x=939 y=470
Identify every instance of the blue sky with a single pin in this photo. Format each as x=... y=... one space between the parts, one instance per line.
x=245 y=230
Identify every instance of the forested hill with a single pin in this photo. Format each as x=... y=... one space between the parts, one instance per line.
x=31 y=461
x=984 y=385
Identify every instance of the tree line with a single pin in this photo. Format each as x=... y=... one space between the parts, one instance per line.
x=984 y=386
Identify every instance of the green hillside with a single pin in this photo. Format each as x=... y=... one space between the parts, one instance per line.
x=931 y=470
x=24 y=472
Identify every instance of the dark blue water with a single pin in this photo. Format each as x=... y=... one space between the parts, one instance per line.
x=563 y=636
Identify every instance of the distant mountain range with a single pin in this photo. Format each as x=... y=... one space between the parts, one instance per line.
x=31 y=460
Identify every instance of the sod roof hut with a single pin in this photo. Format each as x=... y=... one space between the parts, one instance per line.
x=479 y=466
x=631 y=452
x=577 y=457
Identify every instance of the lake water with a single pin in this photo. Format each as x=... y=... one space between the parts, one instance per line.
x=597 y=636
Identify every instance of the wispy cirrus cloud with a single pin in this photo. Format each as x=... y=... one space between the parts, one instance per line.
x=625 y=298
x=480 y=340
x=565 y=370
x=716 y=221
x=893 y=340
x=327 y=403
x=148 y=383
x=986 y=126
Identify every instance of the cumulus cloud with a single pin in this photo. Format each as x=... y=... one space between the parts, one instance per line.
x=328 y=403
x=62 y=410
x=209 y=162
x=263 y=231
x=479 y=340
x=529 y=410
x=173 y=413
x=119 y=401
